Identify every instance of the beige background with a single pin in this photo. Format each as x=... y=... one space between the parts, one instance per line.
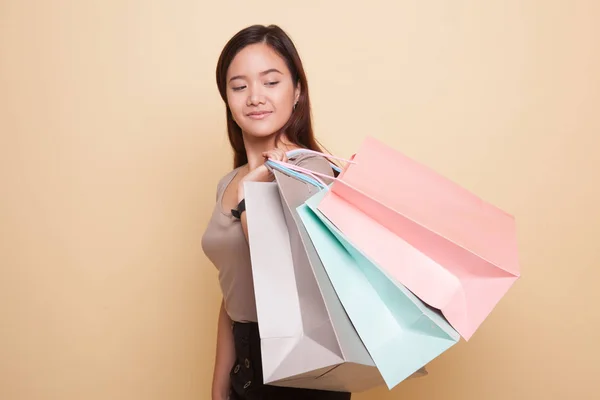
x=112 y=141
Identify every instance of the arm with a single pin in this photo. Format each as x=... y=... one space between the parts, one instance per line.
x=262 y=174
x=243 y=221
x=225 y=356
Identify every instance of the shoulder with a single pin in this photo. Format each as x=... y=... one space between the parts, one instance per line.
x=313 y=162
x=225 y=179
x=228 y=176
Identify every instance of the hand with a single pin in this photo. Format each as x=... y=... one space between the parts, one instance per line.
x=275 y=154
x=261 y=173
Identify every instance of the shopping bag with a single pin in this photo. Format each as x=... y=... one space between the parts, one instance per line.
x=401 y=333
x=307 y=339
x=453 y=250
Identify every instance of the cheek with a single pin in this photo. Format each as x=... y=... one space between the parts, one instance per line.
x=284 y=99
x=236 y=105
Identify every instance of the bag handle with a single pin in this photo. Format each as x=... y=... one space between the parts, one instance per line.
x=330 y=157
x=298 y=172
x=303 y=174
x=318 y=153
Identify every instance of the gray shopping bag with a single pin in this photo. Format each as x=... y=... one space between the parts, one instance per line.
x=307 y=339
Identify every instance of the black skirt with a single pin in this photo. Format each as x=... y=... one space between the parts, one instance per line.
x=247 y=378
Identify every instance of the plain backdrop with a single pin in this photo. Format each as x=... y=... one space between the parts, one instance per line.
x=112 y=140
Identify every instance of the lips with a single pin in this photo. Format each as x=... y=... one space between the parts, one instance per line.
x=259 y=114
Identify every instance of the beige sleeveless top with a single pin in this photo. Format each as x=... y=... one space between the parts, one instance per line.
x=226 y=247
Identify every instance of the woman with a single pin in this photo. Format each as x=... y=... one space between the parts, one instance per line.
x=262 y=82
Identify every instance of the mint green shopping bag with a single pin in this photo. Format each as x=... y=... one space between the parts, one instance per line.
x=401 y=333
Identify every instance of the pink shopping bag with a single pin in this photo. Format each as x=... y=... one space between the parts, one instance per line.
x=453 y=250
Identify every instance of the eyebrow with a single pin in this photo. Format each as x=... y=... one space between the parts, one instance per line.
x=261 y=74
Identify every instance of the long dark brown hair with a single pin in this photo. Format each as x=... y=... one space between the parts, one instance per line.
x=298 y=128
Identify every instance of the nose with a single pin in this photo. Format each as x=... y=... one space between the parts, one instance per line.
x=255 y=96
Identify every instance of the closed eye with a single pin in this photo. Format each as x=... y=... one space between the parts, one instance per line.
x=272 y=83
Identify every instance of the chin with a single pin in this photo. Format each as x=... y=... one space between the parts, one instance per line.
x=261 y=132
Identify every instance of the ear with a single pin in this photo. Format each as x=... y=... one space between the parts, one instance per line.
x=297 y=92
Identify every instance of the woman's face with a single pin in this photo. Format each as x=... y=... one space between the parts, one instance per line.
x=260 y=91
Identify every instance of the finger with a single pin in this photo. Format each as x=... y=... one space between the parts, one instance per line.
x=282 y=155
x=275 y=154
x=279 y=154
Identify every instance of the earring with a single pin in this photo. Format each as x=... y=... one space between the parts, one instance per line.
x=294 y=107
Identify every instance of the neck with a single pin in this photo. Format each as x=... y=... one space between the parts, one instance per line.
x=255 y=147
